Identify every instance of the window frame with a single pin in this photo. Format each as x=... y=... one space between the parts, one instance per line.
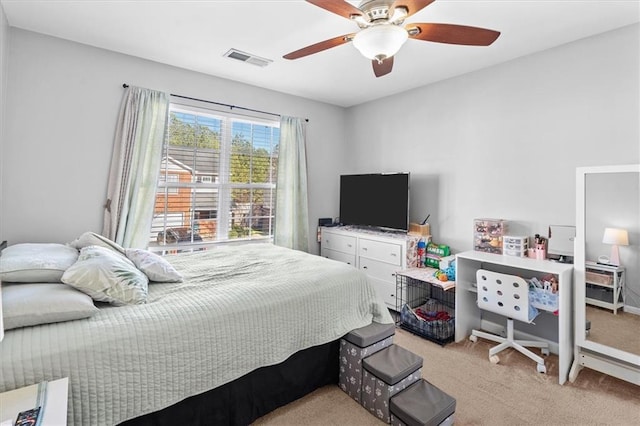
x=222 y=183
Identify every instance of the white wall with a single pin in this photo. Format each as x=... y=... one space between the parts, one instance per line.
x=501 y=142
x=504 y=142
x=64 y=98
x=4 y=48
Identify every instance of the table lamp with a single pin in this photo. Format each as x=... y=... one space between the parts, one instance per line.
x=616 y=237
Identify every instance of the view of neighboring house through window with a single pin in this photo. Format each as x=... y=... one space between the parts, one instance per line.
x=217 y=178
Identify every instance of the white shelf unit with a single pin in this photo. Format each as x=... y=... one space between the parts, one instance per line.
x=380 y=255
x=607 y=277
x=555 y=328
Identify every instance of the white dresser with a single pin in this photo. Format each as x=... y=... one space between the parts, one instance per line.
x=379 y=254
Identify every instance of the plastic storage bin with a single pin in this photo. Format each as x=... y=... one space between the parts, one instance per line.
x=488 y=235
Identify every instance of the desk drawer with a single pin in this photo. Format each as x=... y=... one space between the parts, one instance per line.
x=380 y=250
x=337 y=242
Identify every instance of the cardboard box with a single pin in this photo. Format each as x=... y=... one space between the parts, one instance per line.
x=416 y=228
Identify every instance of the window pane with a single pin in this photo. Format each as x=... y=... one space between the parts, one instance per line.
x=201 y=185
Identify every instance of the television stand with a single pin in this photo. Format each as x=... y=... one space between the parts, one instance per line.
x=379 y=254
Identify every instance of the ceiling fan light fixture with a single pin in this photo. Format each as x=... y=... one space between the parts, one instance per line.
x=380 y=41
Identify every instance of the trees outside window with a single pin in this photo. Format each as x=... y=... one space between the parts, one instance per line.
x=218 y=179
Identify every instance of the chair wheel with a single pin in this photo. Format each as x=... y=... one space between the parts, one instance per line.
x=545 y=351
x=494 y=359
x=542 y=368
x=473 y=338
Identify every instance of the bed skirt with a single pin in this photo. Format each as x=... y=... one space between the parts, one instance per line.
x=255 y=394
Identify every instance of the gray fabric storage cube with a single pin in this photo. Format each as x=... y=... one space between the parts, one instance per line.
x=397 y=422
x=385 y=374
x=354 y=347
x=422 y=404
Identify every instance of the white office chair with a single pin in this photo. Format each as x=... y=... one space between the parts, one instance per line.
x=507 y=295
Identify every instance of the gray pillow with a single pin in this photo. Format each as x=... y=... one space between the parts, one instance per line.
x=154 y=266
x=24 y=305
x=107 y=276
x=36 y=262
x=92 y=239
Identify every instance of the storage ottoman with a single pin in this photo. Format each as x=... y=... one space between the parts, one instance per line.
x=355 y=346
x=385 y=374
x=422 y=404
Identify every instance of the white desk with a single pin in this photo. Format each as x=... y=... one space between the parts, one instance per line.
x=18 y=400
x=469 y=316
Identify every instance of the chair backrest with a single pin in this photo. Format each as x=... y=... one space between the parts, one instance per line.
x=504 y=294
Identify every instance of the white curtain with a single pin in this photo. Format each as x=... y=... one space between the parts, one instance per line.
x=292 y=218
x=135 y=166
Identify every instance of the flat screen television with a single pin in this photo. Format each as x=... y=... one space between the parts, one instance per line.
x=379 y=200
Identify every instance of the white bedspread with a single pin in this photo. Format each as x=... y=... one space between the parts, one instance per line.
x=240 y=308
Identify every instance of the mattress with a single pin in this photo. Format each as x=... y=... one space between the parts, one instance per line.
x=239 y=308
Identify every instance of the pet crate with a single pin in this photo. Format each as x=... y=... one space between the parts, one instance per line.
x=425 y=309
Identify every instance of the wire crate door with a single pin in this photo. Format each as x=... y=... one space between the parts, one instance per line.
x=504 y=294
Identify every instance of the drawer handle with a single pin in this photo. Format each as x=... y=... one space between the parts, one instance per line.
x=393 y=254
x=393 y=275
x=349 y=245
x=365 y=267
x=364 y=248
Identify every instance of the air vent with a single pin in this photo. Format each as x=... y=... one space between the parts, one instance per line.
x=247 y=57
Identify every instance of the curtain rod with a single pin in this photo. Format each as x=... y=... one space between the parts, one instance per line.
x=125 y=85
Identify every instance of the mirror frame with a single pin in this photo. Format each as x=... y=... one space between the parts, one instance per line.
x=579 y=265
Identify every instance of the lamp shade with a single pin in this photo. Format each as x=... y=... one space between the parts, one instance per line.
x=616 y=236
x=380 y=41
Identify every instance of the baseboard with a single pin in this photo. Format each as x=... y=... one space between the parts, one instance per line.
x=631 y=309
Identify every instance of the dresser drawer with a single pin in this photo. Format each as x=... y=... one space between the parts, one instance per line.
x=349 y=259
x=380 y=270
x=385 y=291
x=342 y=243
x=380 y=250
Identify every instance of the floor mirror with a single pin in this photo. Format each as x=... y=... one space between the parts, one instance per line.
x=607 y=271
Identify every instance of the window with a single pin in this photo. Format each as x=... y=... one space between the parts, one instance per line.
x=170 y=178
x=217 y=178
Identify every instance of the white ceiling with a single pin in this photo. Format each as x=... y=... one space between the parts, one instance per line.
x=195 y=34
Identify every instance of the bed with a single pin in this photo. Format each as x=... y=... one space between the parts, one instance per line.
x=249 y=328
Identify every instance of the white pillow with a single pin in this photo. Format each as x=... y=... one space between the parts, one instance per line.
x=36 y=262
x=93 y=239
x=107 y=276
x=154 y=266
x=32 y=304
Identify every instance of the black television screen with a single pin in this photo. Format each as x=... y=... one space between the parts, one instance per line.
x=379 y=200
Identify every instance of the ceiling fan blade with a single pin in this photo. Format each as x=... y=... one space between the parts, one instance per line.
x=339 y=7
x=319 y=47
x=384 y=68
x=412 y=6
x=453 y=34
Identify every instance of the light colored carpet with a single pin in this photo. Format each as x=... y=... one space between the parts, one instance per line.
x=618 y=331
x=509 y=393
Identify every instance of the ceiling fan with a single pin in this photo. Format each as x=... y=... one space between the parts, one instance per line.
x=381 y=32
